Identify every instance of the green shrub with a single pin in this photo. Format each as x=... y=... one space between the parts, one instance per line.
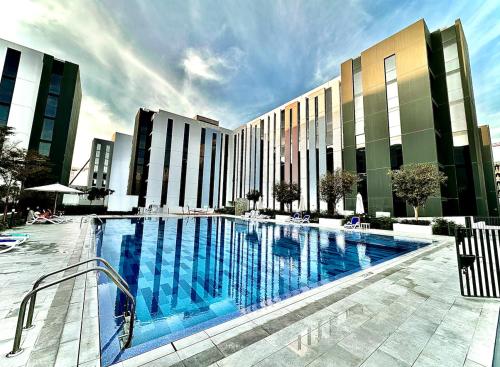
x=379 y=223
x=415 y=222
x=445 y=227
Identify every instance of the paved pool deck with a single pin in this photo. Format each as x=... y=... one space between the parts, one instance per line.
x=405 y=312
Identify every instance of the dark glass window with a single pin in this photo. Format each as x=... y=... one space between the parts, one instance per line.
x=44 y=148
x=51 y=107
x=47 y=129
x=212 y=170
x=11 y=64
x=166 y=162
x=55 y=84
x=224 y=175
x=201 y=167
x=234 y=165
x=242 y=144
x=329 y=159
x=4 y=114
x=221 y=170
x=185 y=145
x=6 y=90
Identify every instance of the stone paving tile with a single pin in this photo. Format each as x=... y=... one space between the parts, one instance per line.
x=382 y=359
x=336 y=357
x=413 y=316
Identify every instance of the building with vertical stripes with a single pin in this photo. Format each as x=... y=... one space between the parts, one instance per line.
x=407 y=99
x=179 y=162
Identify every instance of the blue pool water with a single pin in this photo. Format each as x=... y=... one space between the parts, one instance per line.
x=188 y=274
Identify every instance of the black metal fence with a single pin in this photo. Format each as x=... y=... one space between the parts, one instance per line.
x=478 y=251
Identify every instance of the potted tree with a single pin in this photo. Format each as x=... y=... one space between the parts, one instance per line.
x=286 y=193
x=254 y=195
x=332 y=188
x=415 y=183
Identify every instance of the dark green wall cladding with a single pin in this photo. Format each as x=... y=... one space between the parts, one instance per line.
x=66 y=120
x=419 y=147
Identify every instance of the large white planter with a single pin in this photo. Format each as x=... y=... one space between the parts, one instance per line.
x=282 y=218
x=331 y=222
x=412 y=229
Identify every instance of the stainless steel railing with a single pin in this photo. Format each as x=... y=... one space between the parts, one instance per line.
x=119 y=282
x=29 y=320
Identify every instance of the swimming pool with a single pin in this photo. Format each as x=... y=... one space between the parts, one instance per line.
x=191 y=273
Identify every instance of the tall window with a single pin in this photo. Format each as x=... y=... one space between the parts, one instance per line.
x=51 y=105
x=166 y=162
x=359 y=113
x=391 y=87
x=212 y=170
x=224 y=174
x=201 y=167
x=455 y=93
x=185 y=145
x=7 y=83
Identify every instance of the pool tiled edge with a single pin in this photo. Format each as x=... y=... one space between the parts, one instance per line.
x=220 y=341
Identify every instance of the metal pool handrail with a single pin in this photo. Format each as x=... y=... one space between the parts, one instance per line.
x=16 y=349
x=31 y=309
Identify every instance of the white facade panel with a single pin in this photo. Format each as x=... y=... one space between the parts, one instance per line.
x=119 y=201
x=191 y=193
x=174 y=176
x=25 y=94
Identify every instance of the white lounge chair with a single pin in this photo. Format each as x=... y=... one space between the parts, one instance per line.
x=51 y=220
x=10 y=241
x=257 y=215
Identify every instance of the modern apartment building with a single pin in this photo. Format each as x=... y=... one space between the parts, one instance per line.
x=100 y=163
x=407 y=99
x=178 y=161
x=40 y=99
x=298 y=141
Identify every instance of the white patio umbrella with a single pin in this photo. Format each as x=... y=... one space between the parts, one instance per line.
x=302 y=204
x=360 y=207
x=57 y=188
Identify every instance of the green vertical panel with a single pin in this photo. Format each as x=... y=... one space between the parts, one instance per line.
x=349 y=151
x=378 y=162
x=67 y=118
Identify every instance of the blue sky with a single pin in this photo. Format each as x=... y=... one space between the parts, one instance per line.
x=229 y=60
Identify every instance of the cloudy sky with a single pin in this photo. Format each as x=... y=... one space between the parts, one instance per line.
x=229 y=60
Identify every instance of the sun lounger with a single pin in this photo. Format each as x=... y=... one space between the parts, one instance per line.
x=10 y=241
x=353 y=224
x=49 y=220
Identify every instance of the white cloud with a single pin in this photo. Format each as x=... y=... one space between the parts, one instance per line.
x=206 y=65
x=197 y=66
